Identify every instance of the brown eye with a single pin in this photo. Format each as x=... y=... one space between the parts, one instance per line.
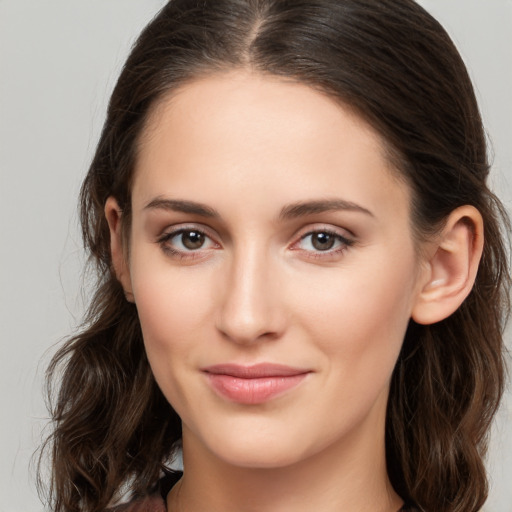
x=192 y=239
x=187 y=244
x=322 y=241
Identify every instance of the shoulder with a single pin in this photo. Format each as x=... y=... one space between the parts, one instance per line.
x=155 y=500
x=153 y=503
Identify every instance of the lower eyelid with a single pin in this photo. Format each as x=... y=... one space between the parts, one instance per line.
x=327 y=255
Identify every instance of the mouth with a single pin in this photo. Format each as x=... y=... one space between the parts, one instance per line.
x=254 y=384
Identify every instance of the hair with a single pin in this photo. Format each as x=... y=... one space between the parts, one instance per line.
x=396 y=67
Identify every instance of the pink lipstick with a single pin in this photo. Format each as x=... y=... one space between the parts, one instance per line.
x=253 y=384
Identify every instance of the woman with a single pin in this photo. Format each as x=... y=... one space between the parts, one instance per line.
x=302 y=277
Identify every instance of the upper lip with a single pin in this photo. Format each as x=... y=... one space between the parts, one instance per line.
x=256 y=371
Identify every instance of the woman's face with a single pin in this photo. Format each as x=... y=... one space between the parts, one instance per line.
x=273 y=268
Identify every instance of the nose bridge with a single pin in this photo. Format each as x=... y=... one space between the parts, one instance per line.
x=250 y=309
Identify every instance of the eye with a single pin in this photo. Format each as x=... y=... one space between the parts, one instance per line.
x=186 y=242
x=189 y=240
x=323 y=241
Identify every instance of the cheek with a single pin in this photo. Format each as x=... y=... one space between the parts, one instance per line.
x=173 y=309
x=357 y=325
x=358 y=315
x=172 y=316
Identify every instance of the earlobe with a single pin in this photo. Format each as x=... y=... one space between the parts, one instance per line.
x=113 y=214
x=452 y=268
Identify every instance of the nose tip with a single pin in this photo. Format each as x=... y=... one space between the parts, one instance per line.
x=246 y=333
x=250 y=309
x=248 y=319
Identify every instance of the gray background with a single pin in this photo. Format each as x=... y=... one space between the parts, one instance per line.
x=58 y=63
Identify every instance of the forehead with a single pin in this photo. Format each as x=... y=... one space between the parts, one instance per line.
x=238 y=131
x=219 y=103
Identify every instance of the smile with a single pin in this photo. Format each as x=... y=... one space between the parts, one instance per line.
x=253 y=384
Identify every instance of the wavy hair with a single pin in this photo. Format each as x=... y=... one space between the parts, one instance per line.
x=396 y=67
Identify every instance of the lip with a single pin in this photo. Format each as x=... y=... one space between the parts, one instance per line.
x=253 y=384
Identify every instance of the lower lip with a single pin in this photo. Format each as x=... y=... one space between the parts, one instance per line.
x=253 y=391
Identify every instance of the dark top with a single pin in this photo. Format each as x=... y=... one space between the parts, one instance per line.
x=156 y=501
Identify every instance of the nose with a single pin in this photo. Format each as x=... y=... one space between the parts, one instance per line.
x=251 y=308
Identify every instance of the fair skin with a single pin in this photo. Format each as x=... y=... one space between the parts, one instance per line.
x=226 y=268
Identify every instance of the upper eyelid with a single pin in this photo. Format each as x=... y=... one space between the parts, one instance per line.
x=325 y=228
x=174 y=230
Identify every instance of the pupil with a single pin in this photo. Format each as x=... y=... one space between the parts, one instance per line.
x=323 y=241
x=192 y=239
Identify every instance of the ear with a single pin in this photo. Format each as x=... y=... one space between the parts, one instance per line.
x=113 y=214
x=452 y=267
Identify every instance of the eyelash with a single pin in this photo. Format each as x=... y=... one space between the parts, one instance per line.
x=191 y=254
x=344 y=242
x=164 y=240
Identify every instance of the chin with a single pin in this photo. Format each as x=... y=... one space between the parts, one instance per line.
x=261 y=457
x=261 y=450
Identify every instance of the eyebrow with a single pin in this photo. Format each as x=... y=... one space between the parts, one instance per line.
x=302 y=209
x=292 y=211
x=179 y=205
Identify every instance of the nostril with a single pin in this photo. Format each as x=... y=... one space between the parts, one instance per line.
x=246 y=334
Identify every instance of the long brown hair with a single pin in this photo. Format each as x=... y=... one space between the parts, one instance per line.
x=398 y=69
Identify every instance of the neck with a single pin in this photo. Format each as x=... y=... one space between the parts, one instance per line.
x=350 y=476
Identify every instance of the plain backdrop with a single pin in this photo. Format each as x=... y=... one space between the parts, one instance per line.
x=58 y=63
